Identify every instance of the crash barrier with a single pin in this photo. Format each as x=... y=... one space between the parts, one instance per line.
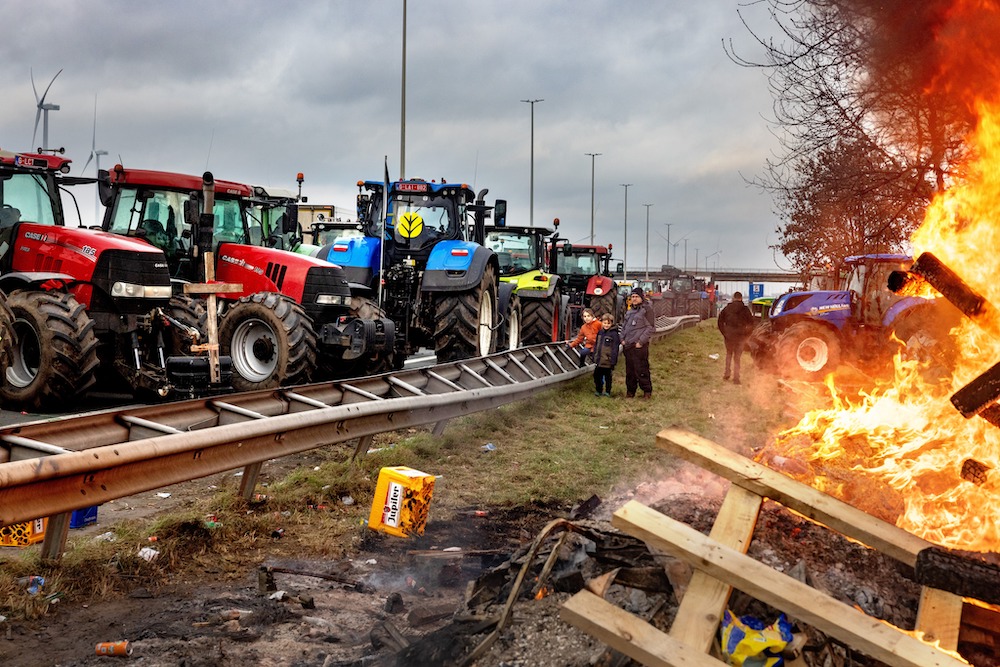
x=53 y=468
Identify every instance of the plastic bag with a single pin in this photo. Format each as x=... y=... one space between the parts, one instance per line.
x=747 y=642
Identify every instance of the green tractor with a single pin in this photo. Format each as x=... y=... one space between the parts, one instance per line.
x=541 y=308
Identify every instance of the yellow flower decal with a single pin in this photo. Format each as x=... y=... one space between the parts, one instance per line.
x=411 y=224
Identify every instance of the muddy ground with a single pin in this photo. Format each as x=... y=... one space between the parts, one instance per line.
x=396 y=602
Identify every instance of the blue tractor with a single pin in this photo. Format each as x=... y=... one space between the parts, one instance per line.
x=808 y=334
x=426 y=264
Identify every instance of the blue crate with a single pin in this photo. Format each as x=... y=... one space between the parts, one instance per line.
x=84 y=517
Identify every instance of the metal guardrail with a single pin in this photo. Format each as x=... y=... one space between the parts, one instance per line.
x=51 y=468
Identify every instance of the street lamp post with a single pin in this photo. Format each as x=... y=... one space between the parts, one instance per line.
x=625 y=264
x=647 y=239
x=402 y=107
x=531 y=208
x=668 y=224
x=592 y=156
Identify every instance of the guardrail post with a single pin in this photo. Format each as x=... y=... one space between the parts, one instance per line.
x=56 y=532
x=249 y=481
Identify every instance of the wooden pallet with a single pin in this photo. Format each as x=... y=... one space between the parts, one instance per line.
x=721 y=563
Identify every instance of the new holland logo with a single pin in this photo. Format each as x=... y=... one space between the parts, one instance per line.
x=411 y=224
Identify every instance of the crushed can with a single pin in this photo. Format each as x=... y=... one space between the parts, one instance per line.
x=402 y=501
x=113 y=648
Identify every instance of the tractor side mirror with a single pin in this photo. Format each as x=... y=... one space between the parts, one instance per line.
x=104 y=190
x=620 y=267
x=567 y=249
x=290 y=220
x=500 y=213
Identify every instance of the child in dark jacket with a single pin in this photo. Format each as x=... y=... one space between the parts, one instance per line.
x=605 y=355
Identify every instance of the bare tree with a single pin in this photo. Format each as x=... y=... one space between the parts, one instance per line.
x=865 y=136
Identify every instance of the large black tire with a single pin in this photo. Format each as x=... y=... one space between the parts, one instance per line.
x=602 y=305
x=704 y=309
x=565 y=320
x=190 y=312
x=466 y=322
x=512 y=329
x=538 y=319
x=271 y=342
x=807 y=351
x=761 y=346
x=54 y=358
x=6 y=332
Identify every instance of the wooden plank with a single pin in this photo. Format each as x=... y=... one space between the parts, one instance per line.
x=701 y=609
x=871 y=636
x=629 y=634
x=809 y=502
x=939 y=617
x=213 y=288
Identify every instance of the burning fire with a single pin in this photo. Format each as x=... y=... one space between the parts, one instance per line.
x=898 y=450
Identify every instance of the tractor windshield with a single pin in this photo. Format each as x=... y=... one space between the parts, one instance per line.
x=157 y=216
x=27 y=197
x=577 y=265
x=515 y=251
x=417 y=220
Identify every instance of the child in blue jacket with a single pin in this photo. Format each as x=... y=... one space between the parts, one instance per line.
x=605 y=355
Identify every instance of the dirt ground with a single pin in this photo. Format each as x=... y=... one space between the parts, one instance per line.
x=398 y=602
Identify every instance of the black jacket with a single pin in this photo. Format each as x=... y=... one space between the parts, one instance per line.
x=736 y=321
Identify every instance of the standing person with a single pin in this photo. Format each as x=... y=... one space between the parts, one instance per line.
x=637 y=330
x=606 y=355
x=735 y=322
x=588 y=334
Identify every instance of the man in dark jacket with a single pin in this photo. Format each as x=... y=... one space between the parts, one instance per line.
x=637 y=330
x=735 y=322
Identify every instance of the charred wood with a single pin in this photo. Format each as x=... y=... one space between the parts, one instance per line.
x=966 y=575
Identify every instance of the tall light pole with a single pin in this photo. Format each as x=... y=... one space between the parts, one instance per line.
x=669 y=225
x=592 y=156
x=531 y=209
x=647 y=239
x=402 y=112
x=625 y=264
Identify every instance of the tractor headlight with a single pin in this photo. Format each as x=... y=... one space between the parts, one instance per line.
x=133 y=291
x=778 y=306
x=333 y=300
x=598 y=291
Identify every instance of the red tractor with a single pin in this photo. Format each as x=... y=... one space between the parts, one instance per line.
x=585 y=274
x=292 y=315
x=86 y=303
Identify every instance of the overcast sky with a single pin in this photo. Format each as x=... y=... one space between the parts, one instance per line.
x=257 y=91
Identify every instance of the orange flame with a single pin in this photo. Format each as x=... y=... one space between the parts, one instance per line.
x=897 y=450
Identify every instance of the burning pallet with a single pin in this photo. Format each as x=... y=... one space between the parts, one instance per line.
x=943 y=619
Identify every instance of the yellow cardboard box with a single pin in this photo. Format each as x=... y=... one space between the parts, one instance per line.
x=402 y=500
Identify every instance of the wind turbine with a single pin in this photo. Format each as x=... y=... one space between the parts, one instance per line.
x=42 y=107
x=95 y=154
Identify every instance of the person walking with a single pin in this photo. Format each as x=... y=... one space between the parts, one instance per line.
x=735 y=322
x=606 y=355
x=637 y=330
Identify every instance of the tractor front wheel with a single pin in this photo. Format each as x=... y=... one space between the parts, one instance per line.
x=539 y=323
x=512 y=337
x=807 y=352
x=54 y=356
x=603 y=305
x=466 y=322
x=271 y=342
